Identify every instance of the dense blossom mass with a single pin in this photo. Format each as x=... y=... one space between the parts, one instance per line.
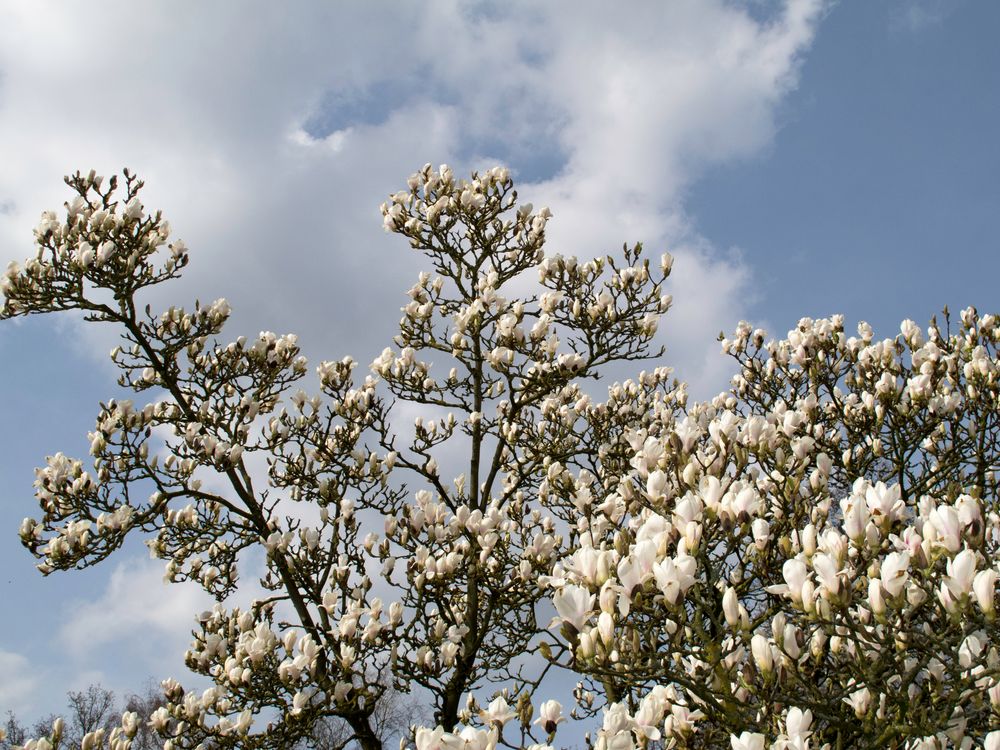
x=808 y=560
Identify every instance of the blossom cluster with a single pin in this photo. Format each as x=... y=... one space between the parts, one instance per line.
x=826 y=534
x=119 y=738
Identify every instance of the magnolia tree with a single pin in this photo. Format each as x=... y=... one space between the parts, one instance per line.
x=806 y=561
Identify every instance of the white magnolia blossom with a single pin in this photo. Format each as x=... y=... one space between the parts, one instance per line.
x=807 y=560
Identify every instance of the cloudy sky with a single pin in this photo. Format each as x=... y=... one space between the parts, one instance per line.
x=798 y=158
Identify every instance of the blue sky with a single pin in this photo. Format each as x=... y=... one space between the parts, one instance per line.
x=799 y=159
x=879 y=195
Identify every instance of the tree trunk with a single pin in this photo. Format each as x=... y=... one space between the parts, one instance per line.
x=363 y=733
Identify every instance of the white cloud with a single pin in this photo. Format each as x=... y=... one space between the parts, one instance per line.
x=135 y=610
x=915 y=16
x=663 y=93
x=20 y=680
x=611 y=113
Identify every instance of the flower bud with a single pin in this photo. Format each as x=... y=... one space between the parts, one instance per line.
x=607 y=598
x=984 y=588
x=606 y=628
x=395 y=614
x=762 y=653
x=809 y=540
x=731 y=608
x=875 y=599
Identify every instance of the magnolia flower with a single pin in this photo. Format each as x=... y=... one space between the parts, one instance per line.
x=616 y=719
x=636 y=568
x=945 y=521
x=875 y=599
x=497 y=712
x=550 y=715
x=469 y=738
x=961 y=571
x=429 y=739
x=682 y=719
x=856 y=516
x=130 y=723
x=133 y=209
x=649 y=455
x=105 y=251
x=895 y=572
x=710 y=488
x=448 y=653
x=606 y=628
x=620 y=741
x=971 y=649
x=795 y=574
x=797 y=722
x=653 y=529
x=731 y=607
x=826 y=571
x=911 y=333
x=859 y=700
x=590 y=565
x=650 y=713
x=762 y=653
x=244 y=721
x=574 y=604
x=984 y=587
x=747 y=741
x=761 y=532
x=159 y=718
x=885 y=503
x=675 y=577
x=656 y=483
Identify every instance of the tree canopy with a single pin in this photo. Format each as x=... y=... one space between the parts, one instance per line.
x=807 y=560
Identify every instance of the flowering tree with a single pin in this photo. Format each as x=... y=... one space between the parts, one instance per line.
x=457 y=564
x=94 y=710
x=806 y=561
x=88 y=712
x=809 y=560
